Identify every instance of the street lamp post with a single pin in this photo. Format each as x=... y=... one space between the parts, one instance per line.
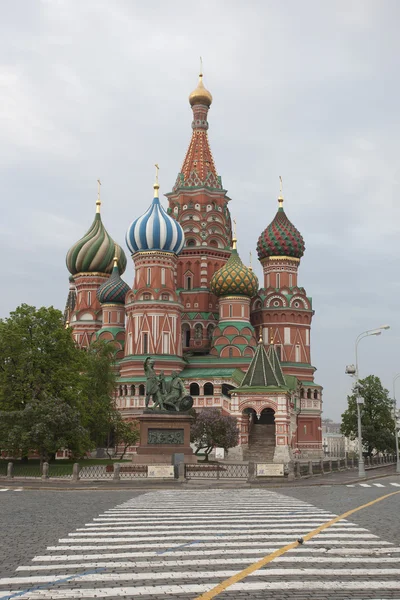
x=396 y=433
x=354 y=371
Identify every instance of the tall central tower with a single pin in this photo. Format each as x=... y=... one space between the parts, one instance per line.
x=200 y=204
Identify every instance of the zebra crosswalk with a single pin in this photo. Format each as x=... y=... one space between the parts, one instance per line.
x=369 y=485
x=181 y=544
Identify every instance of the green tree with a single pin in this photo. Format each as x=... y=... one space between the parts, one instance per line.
x=376 y=416
x=96 y=401
x=212 y=429
x=38 y=358
x=45 y=425
x=121 y=433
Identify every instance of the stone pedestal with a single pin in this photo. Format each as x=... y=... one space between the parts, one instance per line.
x=162 y=435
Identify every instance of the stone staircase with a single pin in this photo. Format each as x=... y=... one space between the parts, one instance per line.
x=261 y=444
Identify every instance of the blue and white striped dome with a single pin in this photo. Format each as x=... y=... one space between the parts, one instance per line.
x=155 y=230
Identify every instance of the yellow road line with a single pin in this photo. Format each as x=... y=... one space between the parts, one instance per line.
x=221 y=587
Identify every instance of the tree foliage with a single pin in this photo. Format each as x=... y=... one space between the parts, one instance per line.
x=53 y=395
x=376 y=416
x=122 y=433
x=213 y=429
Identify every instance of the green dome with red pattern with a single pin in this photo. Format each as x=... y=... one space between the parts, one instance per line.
x=280 y=238
x=234 y=278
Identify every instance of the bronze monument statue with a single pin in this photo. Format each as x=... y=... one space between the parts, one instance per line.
x=167 y=396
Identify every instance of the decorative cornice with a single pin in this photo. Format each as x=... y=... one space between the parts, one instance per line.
x=279 y=258
x=94 y=274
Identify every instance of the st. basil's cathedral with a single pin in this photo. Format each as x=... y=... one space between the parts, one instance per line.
x=198 y=310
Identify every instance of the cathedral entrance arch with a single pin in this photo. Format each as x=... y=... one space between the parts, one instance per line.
x=267 y=417
x=251 y=414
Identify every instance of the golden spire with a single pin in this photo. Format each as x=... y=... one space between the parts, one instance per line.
x=67 y=324
x=272 y=340
x=280 y=197
x=250 y=260
x=98 y=201
x=156 y=186
x=200 y=95
x=234 y=238
x=260 y=337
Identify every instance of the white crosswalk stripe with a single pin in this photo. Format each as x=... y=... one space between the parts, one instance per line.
x=367 y=485
x=11 y=490
x=139 y=550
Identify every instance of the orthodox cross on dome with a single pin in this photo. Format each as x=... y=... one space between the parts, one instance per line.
x=280 y=198
x=234 y=238
x=251 y=260
x=98 y=201
x=156 y=184
x=201 y=67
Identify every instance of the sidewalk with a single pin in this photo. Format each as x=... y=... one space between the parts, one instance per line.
x=335 y=478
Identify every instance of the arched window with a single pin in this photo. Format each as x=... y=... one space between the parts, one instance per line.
x=315 y=394
x=188 y=282
x=190 y=243
x=125 y=390
x=230 y=352
x=194 y=389
x=208 y=389
x=198 y=331
x=120 y=391
x=132 y=390
x=226 y=388
x=210 y=330
x=302 y=393
x=309 y=393
x=185 y=335
x=141 y=390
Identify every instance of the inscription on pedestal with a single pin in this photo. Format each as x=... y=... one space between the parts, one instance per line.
x=270 y=470
x=165 y=436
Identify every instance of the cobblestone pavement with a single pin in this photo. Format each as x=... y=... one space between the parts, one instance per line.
x=181 y=543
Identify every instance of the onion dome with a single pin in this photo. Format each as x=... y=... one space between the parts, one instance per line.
x=155 y=230
x=95 y=251
x=280 y=238
x=114 y=290
x=200 y=95
x=234 y=278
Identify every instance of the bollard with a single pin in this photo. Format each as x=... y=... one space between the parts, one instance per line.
x=322 y=466
x=75 y=472
x=117 y=468
x=181 y=471
x=251 y=471
x=346 y=466
x=10 y=470
x=297 y=469
x=310 y=471
x=330 y=465
x=45 y=470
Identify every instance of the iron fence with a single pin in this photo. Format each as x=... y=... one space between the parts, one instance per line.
x=27 y=470
x=60 y=470
x=132 y=471
x=3 y=469
x=97 y=472
x=217 y=471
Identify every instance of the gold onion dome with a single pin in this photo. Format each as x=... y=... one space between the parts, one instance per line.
x=200 y=95
x=234 y=278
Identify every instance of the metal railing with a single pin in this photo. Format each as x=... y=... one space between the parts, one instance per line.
x=217 y=471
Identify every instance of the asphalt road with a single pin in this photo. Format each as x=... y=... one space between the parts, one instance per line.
x=179 y=544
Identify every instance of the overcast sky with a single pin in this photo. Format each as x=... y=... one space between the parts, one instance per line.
x=308 y=90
